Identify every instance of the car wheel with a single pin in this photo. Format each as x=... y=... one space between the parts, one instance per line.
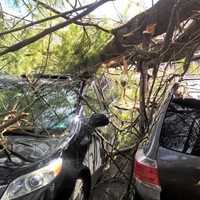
x=82 y=188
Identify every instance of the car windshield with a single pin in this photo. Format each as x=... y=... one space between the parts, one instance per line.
x=47 y=104
x=181 y=128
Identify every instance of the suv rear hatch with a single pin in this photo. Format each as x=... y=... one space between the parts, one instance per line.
x=178 y=154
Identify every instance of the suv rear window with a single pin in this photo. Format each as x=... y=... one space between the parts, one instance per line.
x=181 y=128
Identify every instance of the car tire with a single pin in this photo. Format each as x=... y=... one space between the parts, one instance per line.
x=82 y=186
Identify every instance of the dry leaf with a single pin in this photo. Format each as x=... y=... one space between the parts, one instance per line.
x=150 y=29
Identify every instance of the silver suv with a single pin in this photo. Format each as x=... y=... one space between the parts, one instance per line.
x=168 y=167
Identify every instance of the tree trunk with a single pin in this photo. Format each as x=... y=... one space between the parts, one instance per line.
x=131 y=33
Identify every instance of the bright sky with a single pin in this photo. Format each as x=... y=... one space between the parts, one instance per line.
x=119 y=10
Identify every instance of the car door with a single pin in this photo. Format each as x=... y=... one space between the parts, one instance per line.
x=179 y=152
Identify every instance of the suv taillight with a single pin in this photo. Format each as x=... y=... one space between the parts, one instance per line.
x=145 y=170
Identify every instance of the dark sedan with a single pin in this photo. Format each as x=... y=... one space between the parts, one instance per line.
x=48 y=147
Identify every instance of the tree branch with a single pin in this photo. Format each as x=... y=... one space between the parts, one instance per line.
x=44 y=20
x=67 y=18
x=52 y=29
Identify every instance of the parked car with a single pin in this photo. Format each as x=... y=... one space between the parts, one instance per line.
x=51 y=152
x=168 y=166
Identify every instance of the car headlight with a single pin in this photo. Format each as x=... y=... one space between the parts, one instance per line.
x=33 y=181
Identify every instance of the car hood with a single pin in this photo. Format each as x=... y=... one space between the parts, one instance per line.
x=24 y=154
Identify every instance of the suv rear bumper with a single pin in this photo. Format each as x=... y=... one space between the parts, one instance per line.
x=147 y=192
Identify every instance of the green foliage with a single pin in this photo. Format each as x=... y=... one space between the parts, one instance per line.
x=79 y=48
x=66 y=51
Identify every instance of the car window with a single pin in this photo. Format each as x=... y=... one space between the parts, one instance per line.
x=181 y=127
x=91 y=101
x=106 y=90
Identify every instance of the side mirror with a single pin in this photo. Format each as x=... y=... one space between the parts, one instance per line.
x=98 y=120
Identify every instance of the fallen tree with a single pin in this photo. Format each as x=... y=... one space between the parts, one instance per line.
x=136 y=43
x=155 y=21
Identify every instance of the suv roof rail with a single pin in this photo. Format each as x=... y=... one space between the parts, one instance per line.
x=191 y=77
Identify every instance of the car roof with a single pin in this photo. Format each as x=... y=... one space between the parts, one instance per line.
x=191 y=77
x=8 y=81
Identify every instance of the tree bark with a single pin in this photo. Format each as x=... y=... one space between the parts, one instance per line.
x=131 y=33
